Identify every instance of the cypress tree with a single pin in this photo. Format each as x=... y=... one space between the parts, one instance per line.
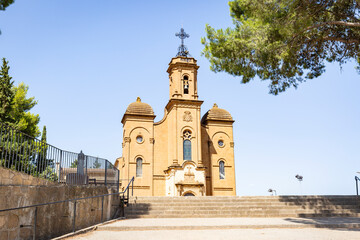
x=6 y=93
x=43 y=136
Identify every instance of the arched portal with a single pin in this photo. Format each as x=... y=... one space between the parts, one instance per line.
x=189 y=194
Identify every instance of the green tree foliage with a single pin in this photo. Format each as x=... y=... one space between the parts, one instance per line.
x=285 y=41
x=96 y=164
x=18 y=148
x=74 y=164
x=24 y=120
x=6 y=93
x=15 y=106
x=42 y=161
x=4 y=4
x=43 y=135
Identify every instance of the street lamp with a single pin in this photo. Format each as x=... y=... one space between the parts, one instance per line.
x=272 y=191
x=299 y=177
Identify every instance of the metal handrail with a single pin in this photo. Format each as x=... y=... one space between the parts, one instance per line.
x=127 y=189
x=79 y=199
x=357 y=187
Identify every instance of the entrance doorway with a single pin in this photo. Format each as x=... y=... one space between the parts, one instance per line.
x=189 y=194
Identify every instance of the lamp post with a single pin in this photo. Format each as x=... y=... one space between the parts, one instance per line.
x=357 y=187
x=273 y=191
x=299 y=178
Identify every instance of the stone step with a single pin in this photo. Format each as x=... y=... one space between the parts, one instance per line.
x=242 y=209
x=270 y=206
x=236 y=198
x=228 y=223
x=214 y=205
x=245 y=214
x=270 y=215
x=220 y=211
x=310 y=201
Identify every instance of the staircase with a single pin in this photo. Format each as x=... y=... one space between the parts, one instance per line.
x=271 y=206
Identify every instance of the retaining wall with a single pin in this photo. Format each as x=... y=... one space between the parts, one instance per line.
x=18 y=189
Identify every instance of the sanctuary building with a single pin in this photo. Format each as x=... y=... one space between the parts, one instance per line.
x=182 y=154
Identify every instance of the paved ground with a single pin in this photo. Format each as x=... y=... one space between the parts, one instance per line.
x=230 y=234
x=229 y=228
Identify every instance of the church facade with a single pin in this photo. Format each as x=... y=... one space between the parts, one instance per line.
x=183 y=154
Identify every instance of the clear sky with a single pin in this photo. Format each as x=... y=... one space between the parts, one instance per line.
x=86 y=61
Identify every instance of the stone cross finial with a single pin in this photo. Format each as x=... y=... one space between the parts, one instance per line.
x=182 y=50
x=182 y=35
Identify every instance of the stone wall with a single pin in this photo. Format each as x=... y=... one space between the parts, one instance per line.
x=52 y=220
x=10 y=177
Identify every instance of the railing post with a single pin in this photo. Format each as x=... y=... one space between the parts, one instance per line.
x=102 y=208
x=86 y=170
x=118 y=181
x=132 y=186
x=122 y=208
x=74 y=219
x=357 y=187
x=128 y=192
x=60 y=162
x=35 y=217
x=105 y=172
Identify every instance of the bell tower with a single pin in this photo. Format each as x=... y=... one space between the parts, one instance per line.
x=183 y=73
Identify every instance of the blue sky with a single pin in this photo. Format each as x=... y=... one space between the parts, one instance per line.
x=86 y=61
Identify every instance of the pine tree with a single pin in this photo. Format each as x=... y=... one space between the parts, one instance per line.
x=4 y=4
x=285 y=41
x=6 y=93
x=24 y=120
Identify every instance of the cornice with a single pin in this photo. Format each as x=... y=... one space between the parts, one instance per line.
x=189 y=63
x=183 y=103
x=137 y=116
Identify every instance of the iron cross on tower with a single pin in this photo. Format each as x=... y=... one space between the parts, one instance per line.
x=182 y=50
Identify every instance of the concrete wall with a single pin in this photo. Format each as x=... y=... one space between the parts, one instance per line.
x=52 y=220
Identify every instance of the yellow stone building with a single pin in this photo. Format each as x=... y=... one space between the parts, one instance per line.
x=182 y=154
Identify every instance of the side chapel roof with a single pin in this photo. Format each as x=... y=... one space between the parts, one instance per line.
x=216 y=113
x=139 y=108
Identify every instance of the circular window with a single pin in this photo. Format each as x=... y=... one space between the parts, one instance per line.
x=139 y=139
x=221 y=143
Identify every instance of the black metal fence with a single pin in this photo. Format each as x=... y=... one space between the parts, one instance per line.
x=32 y=156
x=357 y=186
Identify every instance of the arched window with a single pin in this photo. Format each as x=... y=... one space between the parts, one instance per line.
x=186 y=85
x=222 y=170
x=139 y=162
x=187 y=145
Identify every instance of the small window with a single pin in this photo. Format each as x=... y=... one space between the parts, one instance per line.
x=139 y=162
x=187 y=145
x=222 y=169
x=221 y=143
x=187 y=150
x=186 y=85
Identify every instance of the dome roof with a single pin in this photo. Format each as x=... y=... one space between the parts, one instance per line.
x=139 y=108
x=216 y=113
